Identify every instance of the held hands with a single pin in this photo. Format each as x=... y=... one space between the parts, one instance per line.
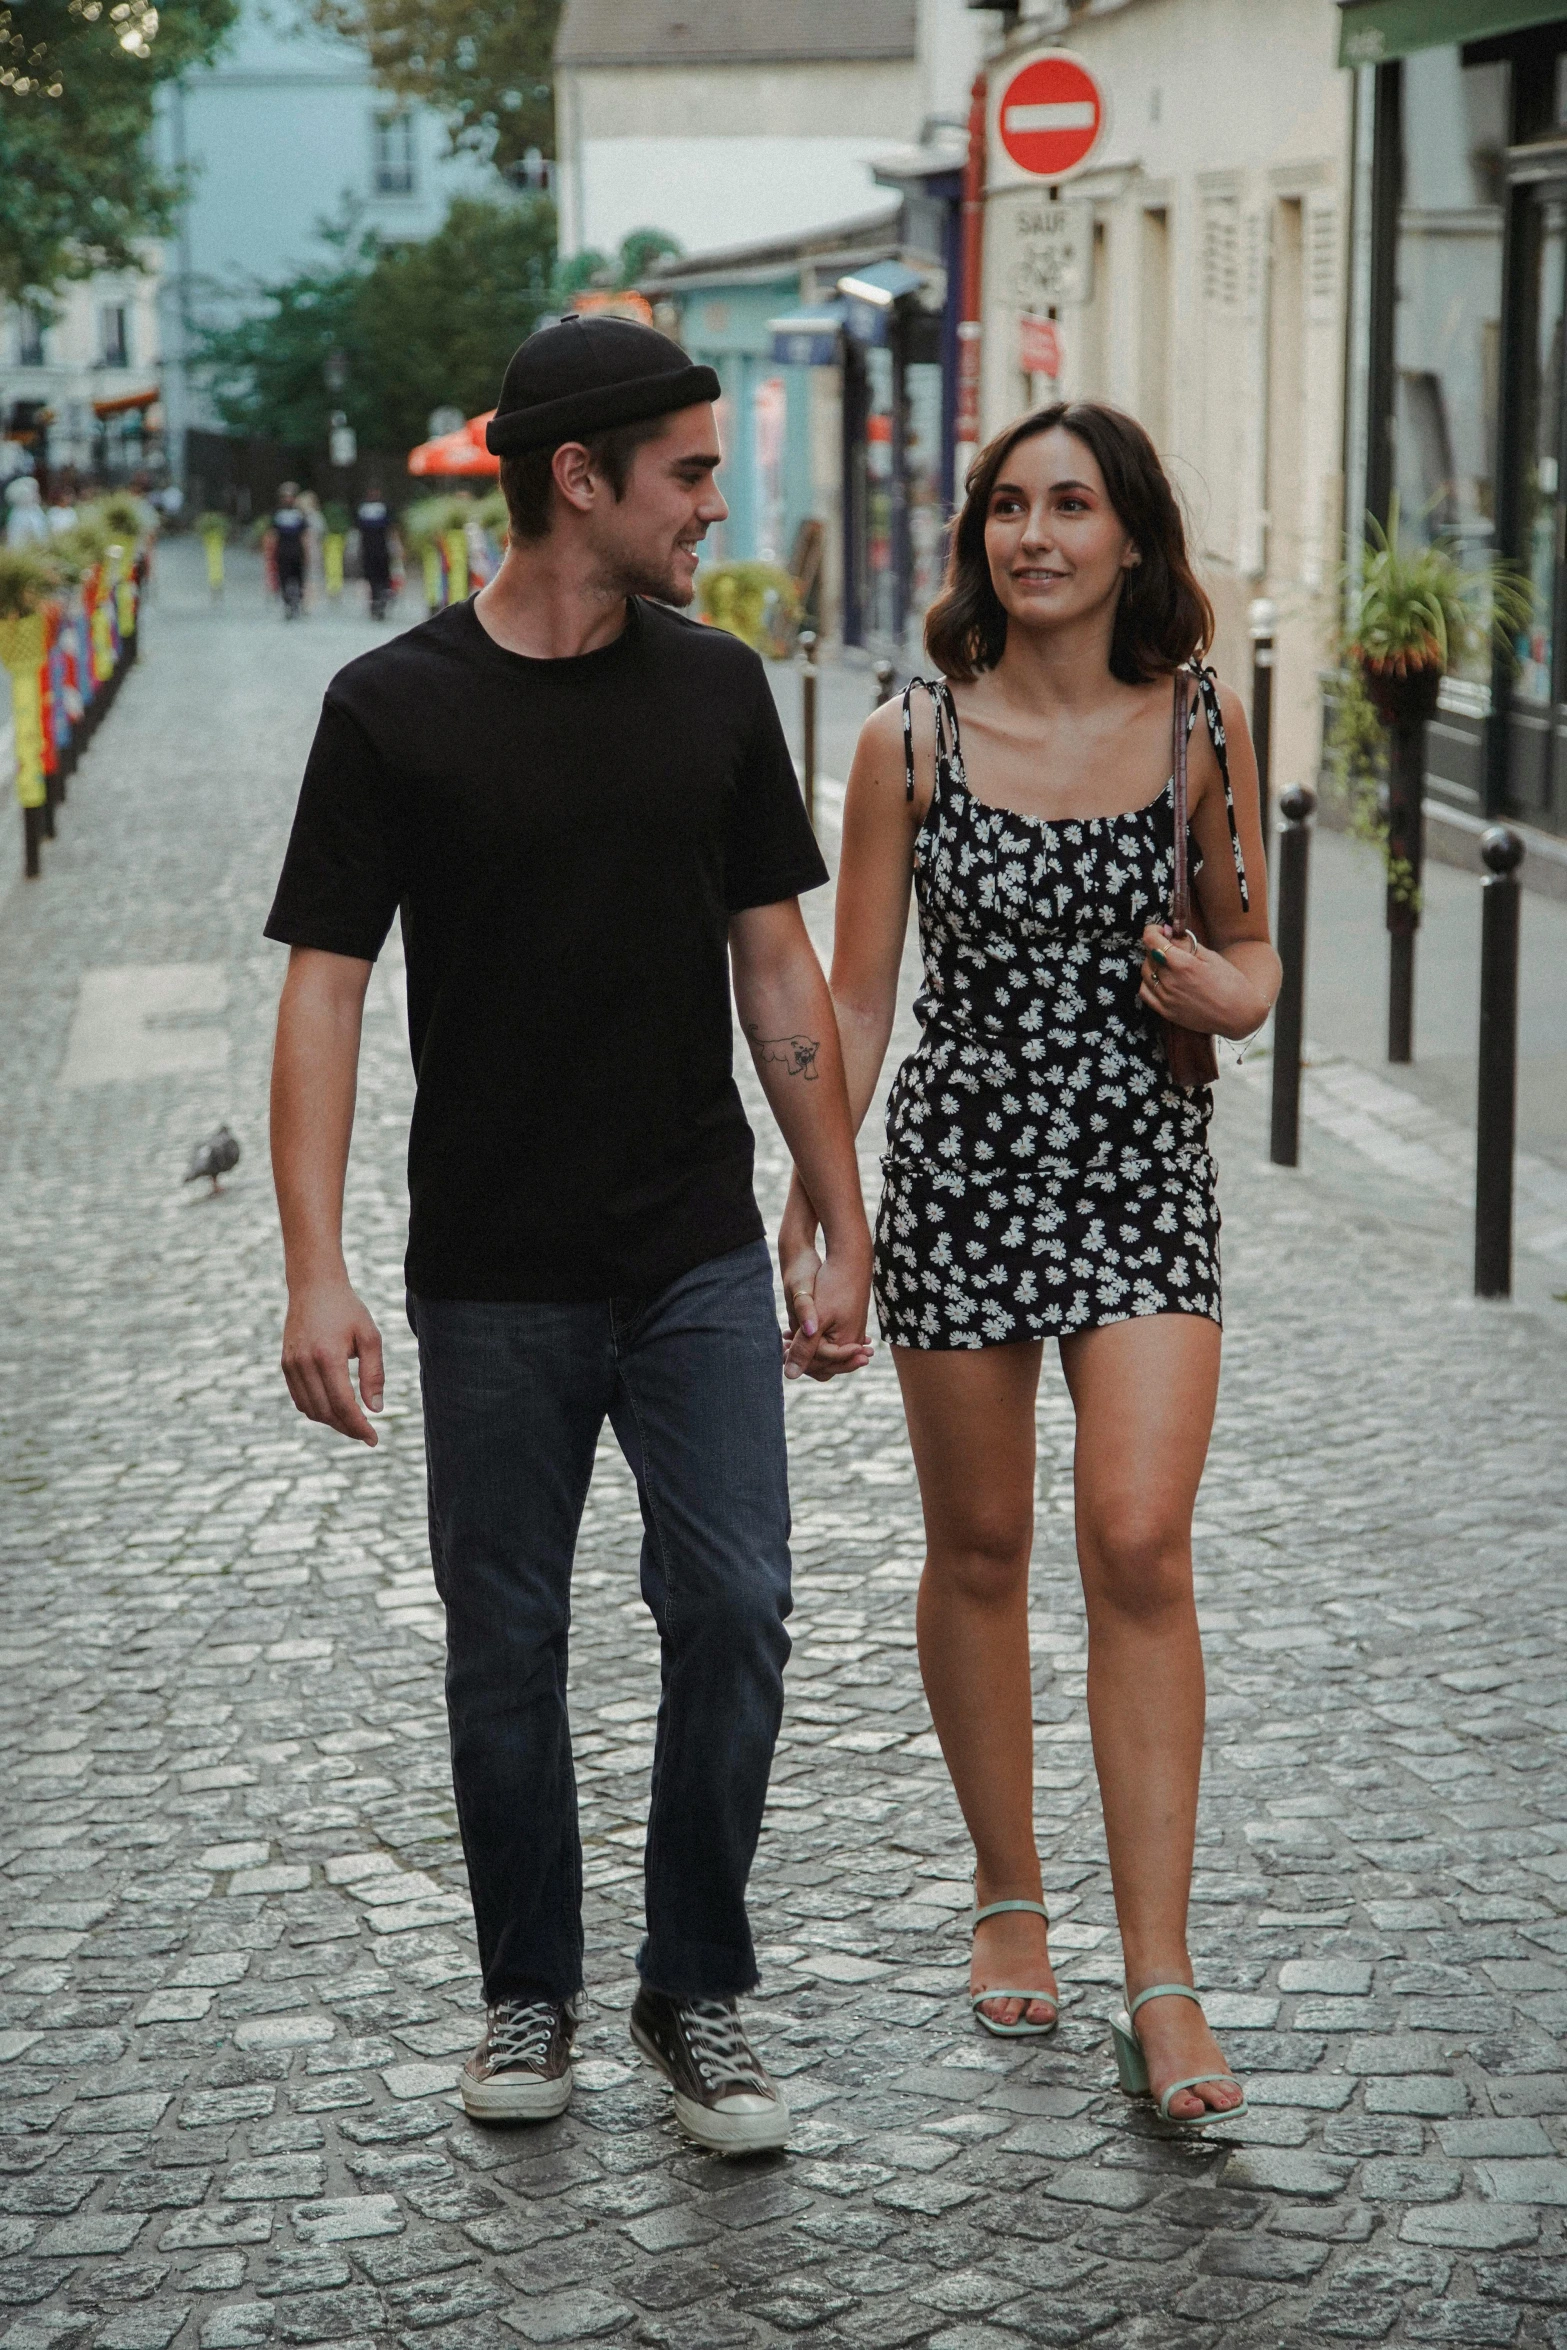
x=1196 y=987
x=828 y=1298
x=326 y=1325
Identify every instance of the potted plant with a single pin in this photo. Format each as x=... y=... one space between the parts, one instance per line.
x=756 y=601
x=1410 y=615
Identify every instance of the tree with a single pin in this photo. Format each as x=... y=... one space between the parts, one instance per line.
x=486 y=65
x=80 y=188
x=419 y=327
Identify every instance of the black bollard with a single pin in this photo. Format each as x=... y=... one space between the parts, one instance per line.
x=1290 y=1010
x=1496 y=1116
x=1406 y=754
x=807 y=642
x=32 y=838
x=1262 y=619
x=884 y=677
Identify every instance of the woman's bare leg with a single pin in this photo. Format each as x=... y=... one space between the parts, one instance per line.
x=1144 y=1393
x=971 y=1424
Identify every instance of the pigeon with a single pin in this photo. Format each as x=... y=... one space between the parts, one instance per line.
x=213 y=1158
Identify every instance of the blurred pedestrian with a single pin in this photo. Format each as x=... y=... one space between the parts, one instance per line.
x=287 y=541
x=585 y=807
x=1047 y=1173
x=26 y=522
x=315 y=538
x=374 y=523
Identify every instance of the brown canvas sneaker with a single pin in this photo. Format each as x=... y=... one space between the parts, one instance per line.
x=723 y=2097
x=521 y=2069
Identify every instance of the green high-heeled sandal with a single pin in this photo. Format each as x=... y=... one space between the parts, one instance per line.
x=1132 y=2065
x=1023 y=2028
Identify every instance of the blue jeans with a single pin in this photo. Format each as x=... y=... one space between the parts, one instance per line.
x=514 y=1398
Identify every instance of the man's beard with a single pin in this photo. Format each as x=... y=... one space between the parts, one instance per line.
x=666 y=585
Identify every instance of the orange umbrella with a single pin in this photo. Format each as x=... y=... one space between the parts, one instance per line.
x=454 y=453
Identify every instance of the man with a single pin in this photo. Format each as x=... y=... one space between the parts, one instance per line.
x=581 y=802
x=290 y=541
x=374 y=521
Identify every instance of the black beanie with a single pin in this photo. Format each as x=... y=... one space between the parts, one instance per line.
x=583 y=375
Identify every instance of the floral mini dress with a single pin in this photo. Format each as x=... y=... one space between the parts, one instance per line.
x=1044 y=1174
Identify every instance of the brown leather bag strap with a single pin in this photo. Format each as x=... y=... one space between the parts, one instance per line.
x=1181 y=888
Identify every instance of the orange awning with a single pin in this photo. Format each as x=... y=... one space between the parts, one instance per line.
x=123 y=402
x=454 y=453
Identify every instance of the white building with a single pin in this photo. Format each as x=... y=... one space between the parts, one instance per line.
x=79 y=381
x=284 y=133
x=726 y=121
x=1220 y=194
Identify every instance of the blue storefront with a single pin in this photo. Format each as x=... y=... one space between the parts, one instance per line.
x=722 y=317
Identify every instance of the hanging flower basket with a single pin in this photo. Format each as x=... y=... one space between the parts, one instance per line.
x=1403 y=691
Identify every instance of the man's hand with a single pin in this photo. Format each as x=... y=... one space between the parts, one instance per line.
x=326 y=1326
x=828 y=1300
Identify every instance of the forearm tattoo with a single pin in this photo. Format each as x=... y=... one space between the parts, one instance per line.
x=797 y=1053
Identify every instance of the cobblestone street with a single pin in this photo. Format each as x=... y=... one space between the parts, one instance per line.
x=236 y=1968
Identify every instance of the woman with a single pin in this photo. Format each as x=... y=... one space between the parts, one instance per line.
x=1045 y=1175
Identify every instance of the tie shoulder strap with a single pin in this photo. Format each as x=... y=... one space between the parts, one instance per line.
x=949 y=760
x=1208 y=694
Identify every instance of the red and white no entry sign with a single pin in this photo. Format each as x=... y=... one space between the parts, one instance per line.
x=1050 y=115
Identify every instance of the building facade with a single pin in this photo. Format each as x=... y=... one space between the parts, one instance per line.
x=81 y=382
x=1210 y=227
x=1459 y=406
x=732 y=123
x=831 y=414
x=286 y=132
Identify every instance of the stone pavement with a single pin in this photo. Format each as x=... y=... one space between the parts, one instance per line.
x=236 y=1967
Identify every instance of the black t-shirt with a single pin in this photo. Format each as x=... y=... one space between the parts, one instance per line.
x=290 y=524
x=374 y=520
x=566 y=841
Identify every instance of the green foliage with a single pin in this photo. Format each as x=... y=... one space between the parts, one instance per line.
x=1421 y=608
x=125 y=516
x=756 y=601
x=419 y=325
x=336 y=517
x=1357 y=764
x=640 y=248
x=486 y=65
x=425 y=523
x=80 y=188
x=29 y=576
x=592 y=271
x=213 y=526
x=1410 y=615
x=86 y=542
x=493 y=517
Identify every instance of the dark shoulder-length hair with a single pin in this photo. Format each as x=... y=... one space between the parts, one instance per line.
x=1163 y=617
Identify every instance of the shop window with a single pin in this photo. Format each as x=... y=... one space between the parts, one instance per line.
x=1447 y=318
x=114 y=335
x=393 y=164
x=30 y=351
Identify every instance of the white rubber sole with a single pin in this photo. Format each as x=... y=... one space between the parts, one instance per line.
x=516 y=2097
x=732 y=2133
x=721 y=2133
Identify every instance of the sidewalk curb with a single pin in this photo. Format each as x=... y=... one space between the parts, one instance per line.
x=1453 y=838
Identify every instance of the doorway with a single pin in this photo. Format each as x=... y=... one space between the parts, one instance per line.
x=1537 y=703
